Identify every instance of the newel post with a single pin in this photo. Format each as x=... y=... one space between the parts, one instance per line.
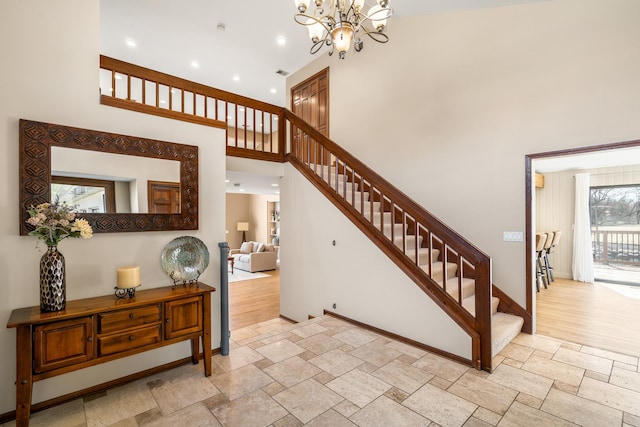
x=483 y=312
x=224 y=299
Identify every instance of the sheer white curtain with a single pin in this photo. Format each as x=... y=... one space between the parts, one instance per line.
x=582 y=250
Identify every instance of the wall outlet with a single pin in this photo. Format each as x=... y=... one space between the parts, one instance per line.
x=512 y=236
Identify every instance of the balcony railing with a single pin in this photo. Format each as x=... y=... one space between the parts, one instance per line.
x=616 y=247
x=254 y=128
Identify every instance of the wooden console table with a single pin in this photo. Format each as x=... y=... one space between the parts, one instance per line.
x=96 y=330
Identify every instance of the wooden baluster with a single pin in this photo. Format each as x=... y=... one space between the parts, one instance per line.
x=128 y=87
x=113 y=83
x=157 y=94
x=144 y=91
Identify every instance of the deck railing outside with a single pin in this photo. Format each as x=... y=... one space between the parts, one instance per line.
x=616 y=246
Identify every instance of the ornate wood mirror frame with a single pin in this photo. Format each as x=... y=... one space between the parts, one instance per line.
x=36 y=140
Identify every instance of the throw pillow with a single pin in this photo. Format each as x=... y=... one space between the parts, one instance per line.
x=246 y=247
x=260 y=247
x=269 y=247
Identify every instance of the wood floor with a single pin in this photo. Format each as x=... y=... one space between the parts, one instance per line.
x=589 y=314
x=254 y=301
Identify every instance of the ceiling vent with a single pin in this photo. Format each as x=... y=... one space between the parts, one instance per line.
x=283 y=73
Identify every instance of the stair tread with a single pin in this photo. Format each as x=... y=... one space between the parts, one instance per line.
x=504 y=328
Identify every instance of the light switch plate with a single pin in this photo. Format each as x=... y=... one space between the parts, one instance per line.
x=512 y=236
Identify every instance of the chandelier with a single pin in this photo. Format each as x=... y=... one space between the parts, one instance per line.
x=343 y=24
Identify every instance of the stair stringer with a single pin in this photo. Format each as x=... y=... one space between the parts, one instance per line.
x=352 y=271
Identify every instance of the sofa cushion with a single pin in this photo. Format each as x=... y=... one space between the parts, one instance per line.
x=258 y=247
x=269 y=247
x=246 y=247
x=244 y=258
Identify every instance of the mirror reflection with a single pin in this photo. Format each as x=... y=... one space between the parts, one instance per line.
x=98 y=182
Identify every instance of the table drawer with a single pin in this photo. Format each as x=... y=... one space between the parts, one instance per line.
x=129 y=340
x=124 y=319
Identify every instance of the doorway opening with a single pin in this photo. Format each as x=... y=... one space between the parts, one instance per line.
x=596 y=309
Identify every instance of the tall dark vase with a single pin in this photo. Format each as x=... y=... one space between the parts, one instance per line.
x=53 y=286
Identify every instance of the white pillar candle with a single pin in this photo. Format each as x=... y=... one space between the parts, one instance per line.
x=128 y=277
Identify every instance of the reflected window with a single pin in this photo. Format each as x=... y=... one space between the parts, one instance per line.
x=86 y=195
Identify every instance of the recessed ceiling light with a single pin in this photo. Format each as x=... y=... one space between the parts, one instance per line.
x=281 y=40
x=195 y=64
x=226 y=180
x=236 y=78
x=242 y=190
x=131 y=43
x=274 y=185
x=273 y=90
x=277 y=192
x=221 y=26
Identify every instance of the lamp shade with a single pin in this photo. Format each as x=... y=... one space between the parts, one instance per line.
x=243 y=226
x=378 y=16
x=341 y=37
x=315 y=29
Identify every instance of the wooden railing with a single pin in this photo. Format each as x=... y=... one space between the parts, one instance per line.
x=254 y=128
x=390 y=219
x=616 y=247
x=258 y=130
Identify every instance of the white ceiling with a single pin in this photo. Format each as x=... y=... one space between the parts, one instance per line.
x=599 y=159
x=170 y=34
x=251 y=183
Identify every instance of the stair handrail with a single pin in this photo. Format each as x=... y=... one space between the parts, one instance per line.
x=478 y=327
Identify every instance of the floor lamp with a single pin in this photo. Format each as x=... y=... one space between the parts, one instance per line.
x=244 y=227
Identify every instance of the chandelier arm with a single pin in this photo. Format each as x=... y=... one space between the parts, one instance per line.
x=384 y=13
x=318 y=45
x=375 y=35
x=303 y=19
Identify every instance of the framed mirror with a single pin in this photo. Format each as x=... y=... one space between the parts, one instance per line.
x=37 y=140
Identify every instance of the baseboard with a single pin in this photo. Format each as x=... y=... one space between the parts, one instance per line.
x=402 y=339
x=41 y=406
x=288 y=319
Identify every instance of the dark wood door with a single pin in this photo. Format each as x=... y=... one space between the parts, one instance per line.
x=164 y=197
x=310 y=101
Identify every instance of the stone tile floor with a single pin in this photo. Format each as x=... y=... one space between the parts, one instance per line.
x=326 y=372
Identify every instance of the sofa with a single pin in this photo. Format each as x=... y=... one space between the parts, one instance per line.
x=255 y=256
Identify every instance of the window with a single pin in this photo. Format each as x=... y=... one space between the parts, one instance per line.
x=615 y=224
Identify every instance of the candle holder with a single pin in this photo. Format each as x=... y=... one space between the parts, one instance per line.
x=122 y=293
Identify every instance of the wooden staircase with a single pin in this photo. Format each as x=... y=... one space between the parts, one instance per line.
x=449 y=269
x=504 y=326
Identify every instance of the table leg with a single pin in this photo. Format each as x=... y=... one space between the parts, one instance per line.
x=24 y=379
x=195 y=350
x=206 y=334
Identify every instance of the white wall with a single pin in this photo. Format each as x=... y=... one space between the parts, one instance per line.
x=354 y=274
x=555 y=206
x=50 y=57
x=462 y=97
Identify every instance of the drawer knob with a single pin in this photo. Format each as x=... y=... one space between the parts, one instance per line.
x=131 y=337
x=90 y=339
x=131 y=315
x=169 y=320
x=23 y=382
